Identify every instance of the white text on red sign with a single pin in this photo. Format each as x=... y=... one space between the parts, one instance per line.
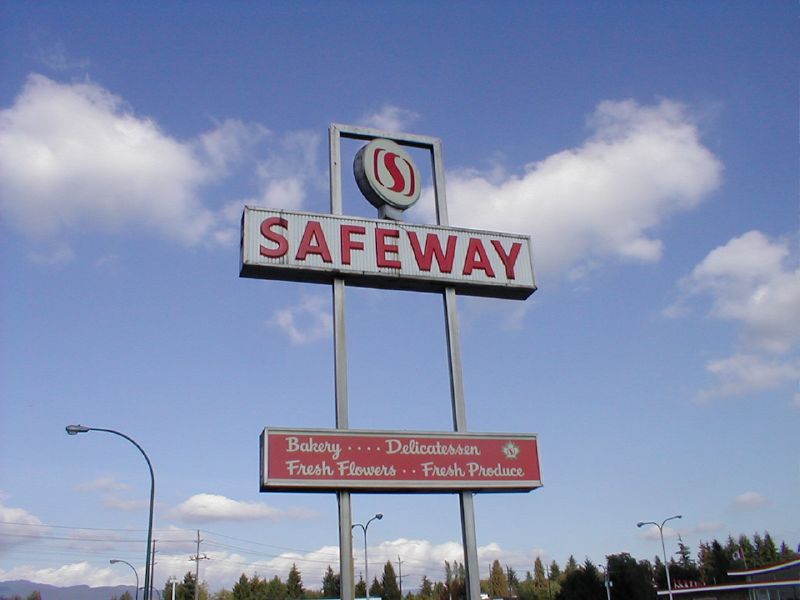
x=403 y=461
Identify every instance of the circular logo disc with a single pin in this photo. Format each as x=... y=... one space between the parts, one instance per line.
x=386 y=174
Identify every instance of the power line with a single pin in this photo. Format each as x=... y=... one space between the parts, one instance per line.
x=268 y=545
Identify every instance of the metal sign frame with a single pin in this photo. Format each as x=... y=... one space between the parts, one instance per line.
x=466 y=498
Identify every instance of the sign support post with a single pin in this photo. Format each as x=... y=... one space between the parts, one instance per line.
x=469 y=539
x=346 y=570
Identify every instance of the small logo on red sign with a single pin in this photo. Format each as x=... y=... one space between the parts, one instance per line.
x=386 y=175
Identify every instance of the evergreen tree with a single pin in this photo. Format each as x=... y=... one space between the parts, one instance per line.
x=425 y=588
x=582 y=583
x=455 y=585
x=766 y=552
x=389 y=586
x=749 y=552
x=294 y=583
x=375 y=589
x=787 y=554
x=331 y=584
x=704 y=561
x=527 y=589
x=242 y=589
x=513 y=581
x=572 y=565
x=498 y=584
x=440 y=591
x=555 y=571
x=685 y=554
x=720 y=565
x=275 y=589
x=185 y=589
x=686 y=568
x=659 y=574
x=539 y=576
x=361 y=587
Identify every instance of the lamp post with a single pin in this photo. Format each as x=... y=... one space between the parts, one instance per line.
x=378 y=516
x=114 y=561
x=663 y=549
x=75 y=430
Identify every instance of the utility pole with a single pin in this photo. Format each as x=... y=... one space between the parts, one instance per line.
x=400 y=575
x=197 y=558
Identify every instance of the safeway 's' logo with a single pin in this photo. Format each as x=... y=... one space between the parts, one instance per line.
x=386 y=175
x=391 y=168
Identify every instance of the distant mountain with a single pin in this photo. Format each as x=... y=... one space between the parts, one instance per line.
x=22 y=588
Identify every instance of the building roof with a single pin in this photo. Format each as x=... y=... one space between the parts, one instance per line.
x=730 y=587
x=763 y=570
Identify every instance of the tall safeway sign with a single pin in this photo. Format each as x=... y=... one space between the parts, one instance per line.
x=390 y=253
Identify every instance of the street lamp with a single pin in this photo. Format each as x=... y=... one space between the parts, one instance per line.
x=114 y=561
x=378 y=516
x=663 y=549
x=75 y=430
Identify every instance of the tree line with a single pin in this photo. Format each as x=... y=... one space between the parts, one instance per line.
x=628 y=578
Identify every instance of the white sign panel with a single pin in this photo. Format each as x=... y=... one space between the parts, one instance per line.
x=295 y=246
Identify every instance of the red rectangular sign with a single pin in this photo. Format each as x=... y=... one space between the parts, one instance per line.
x=297 y=246
x=330 y=459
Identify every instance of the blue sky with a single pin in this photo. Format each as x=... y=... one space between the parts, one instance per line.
x=650 y=150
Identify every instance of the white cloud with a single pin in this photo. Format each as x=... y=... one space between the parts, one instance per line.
x=288 y=170
x=18 y=526
x=307 y=322
x=705 y=527
x=82 y=573
x=602 y=200
x=389 y=118
x=743 y=374
x=111 y=499
x=749 y=501
x=54 y=56
x=750 y=281
x=288 y=192
x=229 y=143
x=212 y=507
x=226 y=565
x=73 y=156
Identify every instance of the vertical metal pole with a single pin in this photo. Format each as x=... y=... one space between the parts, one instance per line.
x=400 y=574
x=664 y=552
x=366 y=560
x=152 y=567
x=197 y=568
x=466 y=499
x=346 y=571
